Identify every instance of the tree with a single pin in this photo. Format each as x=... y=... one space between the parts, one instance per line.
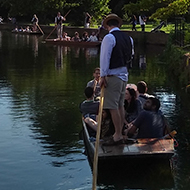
x=173 y=9
x=47 y=9
x=159 y=9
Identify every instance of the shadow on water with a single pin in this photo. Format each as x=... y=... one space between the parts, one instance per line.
x=135 y=174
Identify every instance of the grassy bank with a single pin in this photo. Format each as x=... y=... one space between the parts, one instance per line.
x=148 y=27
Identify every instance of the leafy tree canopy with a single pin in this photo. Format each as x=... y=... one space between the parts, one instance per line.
x=47 y=9
x=159 y=9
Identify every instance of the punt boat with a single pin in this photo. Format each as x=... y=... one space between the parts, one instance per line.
x=73 y=43
x=27 y=33
x=138 y=150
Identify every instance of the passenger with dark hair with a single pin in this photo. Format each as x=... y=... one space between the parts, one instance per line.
x=142 y=90
x=95 y=83
x=132 y=105
x=150 y=122
x=89 y=107
x=85 y=36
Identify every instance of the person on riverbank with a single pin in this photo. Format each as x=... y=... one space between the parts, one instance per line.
x=87 y=20
x=134 y=22
x=150 y=122
x=142 y=22
x=34 y=21
x=95 y=83
x=58 y=23
x=116 y=51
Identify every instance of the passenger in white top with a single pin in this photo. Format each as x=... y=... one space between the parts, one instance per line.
x=142 y=22
x=92 y=38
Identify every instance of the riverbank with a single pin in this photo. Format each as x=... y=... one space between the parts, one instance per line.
x=178 y=65
x=139 y=37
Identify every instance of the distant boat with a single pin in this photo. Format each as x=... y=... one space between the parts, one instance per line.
x=27 y=33
x=73 y=43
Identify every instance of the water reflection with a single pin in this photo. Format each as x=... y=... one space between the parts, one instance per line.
x=90 y=52
x=35 y=46
x=40 y=119
x=142 y=61
x=59 y=58
x=136 y=175
x=26 y=40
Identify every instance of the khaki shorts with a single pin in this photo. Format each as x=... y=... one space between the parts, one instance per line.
x=114 y=93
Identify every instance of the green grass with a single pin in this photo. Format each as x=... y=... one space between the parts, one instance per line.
x=148 y=27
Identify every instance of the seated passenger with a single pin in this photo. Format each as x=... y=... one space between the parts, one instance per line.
x=132 y=105
x=107 y=127
x=92 y=38
x=15 y=29
x=66 y=37
x=95 y=82
x=142 y=90
x=150 y=122
x=76 y=37
x=1 y=19
x=85 y=36
x=89 y=107
x=28 y=29
x=21 y=29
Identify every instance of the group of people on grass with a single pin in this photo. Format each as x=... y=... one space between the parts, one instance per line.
x=128 y=112
x=142 y=21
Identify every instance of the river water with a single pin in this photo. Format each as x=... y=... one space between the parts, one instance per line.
x=41 y=87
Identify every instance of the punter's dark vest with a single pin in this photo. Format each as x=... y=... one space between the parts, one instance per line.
x=59 y=20
x=122 y=52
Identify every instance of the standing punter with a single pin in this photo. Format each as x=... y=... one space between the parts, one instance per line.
x=115 y=54
x=58 y=22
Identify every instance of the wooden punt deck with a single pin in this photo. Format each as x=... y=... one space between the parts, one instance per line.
x=162 y=149
x=73 y=43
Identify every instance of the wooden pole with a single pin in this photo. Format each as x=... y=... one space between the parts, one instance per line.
x=67 y=13
x=40 y=28
x=51 y=32
x=95 y=162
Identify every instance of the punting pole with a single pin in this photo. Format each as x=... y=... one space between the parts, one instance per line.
x=95 y=162
x=40 y=29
